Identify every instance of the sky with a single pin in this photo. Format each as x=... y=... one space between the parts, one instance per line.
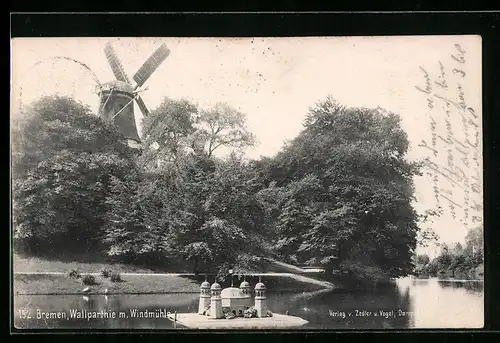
x=274 y=81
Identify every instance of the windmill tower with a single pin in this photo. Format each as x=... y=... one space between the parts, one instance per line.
x=117 y=97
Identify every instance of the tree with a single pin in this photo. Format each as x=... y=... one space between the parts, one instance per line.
x=423 y=259
x=474 y=240
x=426 y=236
x=178 y=127
x=64 y=159
x=444 y=260
x=224 y=126
x=474 y=246
x=125 y=232
x=168 y=132
x=225 y=225
x=359 y=219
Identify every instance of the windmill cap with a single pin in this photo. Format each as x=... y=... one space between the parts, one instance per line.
x=118 y=86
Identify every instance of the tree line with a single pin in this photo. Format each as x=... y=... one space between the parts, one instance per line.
x=455 y=261
x=337 y=195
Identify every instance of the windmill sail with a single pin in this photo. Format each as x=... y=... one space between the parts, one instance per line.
x=116 y=65
x=151 y=65
x=142 y=106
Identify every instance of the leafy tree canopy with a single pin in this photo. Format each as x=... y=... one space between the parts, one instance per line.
x=345 y=191
x=178 y=127
x=339 y=195
x=63 y=160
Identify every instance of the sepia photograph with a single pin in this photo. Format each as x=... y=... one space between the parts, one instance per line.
x=265 y=183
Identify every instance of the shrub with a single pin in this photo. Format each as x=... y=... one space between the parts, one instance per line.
x=250 y=313
x=115 y=277
x=74 y=274
x=88 y=280
x=105 y=272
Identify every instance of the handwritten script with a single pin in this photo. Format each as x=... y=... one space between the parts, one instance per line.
x=453 y=149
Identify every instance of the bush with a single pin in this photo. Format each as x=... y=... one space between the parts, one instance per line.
x=74 y=274
x=105 y=272
x=250 y=313
x=115 y=277
x=88 y=280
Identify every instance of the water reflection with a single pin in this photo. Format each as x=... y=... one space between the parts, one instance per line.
x=473 y=286
x=408 y=303
x=346 y=310
x=446 y=303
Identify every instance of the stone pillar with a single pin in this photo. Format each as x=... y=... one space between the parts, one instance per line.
x=245 y=287
x=204 y=297
x=260 y=300
x=216 y=302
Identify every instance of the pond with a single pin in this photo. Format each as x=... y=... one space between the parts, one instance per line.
x=409 y=303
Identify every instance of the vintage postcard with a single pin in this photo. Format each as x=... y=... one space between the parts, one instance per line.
x=247 y=183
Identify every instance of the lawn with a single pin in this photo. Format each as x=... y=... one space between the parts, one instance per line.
x=22 y=263
x=139 y=284
x=63 y=284
x=151 y=280
x=131 y=284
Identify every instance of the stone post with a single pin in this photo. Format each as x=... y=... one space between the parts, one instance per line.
x=204 y=297
x=260 y=300
x=216 y=302
x=245 y=287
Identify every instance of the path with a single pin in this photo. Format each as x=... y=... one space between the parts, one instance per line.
x=301 y=278
x=295 y=269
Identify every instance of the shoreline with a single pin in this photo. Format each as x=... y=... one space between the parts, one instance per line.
x=61 y=284
x=449 y=279
x=39 y=276
x=58 y=283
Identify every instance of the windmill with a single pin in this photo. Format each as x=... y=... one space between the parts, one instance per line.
x=117 y=97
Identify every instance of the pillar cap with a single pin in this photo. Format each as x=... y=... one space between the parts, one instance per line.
x=260 y=287
x=245 y=284
x=215 y=286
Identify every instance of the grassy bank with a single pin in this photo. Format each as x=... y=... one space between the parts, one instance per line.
x=63 y=284
x=147 y=281
x=140 y=284
x=131 y=284
x=22 y=263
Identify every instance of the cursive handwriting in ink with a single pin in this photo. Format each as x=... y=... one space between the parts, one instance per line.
x=459 y=55
x=453 y=147
x=441 y=81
